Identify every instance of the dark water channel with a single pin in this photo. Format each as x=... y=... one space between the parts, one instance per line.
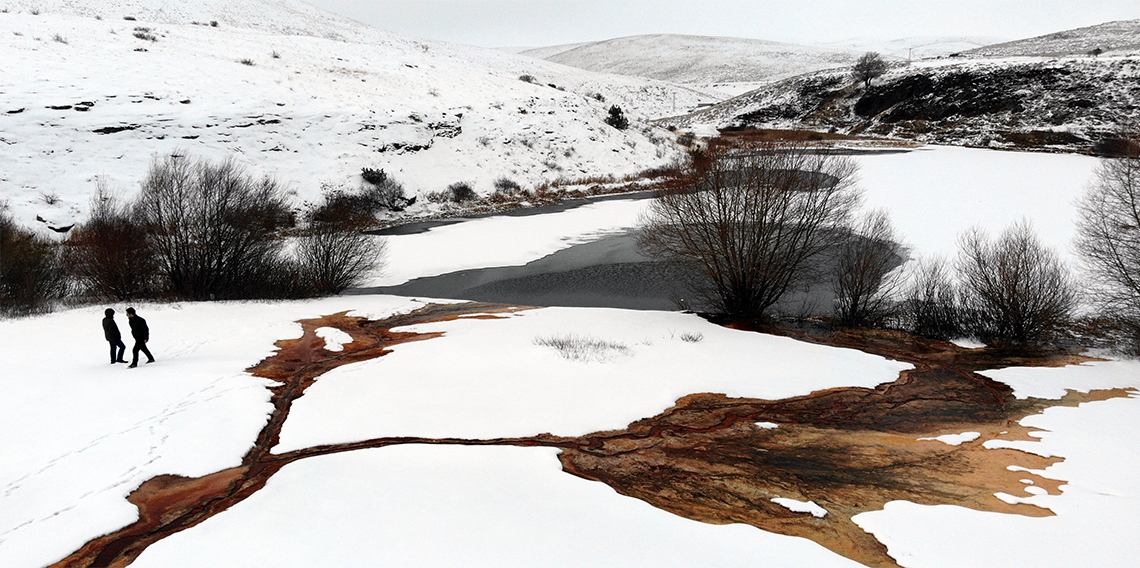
x=609 y=272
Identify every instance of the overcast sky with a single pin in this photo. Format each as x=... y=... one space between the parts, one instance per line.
x=533 y=23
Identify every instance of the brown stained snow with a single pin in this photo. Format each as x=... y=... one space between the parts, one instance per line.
x=850 y=450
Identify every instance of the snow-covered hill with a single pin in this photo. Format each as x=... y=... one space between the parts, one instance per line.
x=1112 y=38
x=86 y=93
x=1068 y=103
x=698 y=60
x=912 y=48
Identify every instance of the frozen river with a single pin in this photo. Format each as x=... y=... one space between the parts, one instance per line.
x=585 y=256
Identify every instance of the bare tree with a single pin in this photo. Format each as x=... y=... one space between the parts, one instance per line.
x=865 y=280
x=1013 y=289
x=110 y=254
x=752 y=223
x=869 y=66
x=1108 y=240
x=215 y=230
x=931 y=301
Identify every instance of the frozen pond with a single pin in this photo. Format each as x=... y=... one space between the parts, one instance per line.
x=586 y=257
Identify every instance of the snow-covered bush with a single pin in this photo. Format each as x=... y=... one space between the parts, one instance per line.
x=461 y=191
x=1013 y=288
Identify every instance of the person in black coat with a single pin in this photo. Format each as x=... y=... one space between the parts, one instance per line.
x=111 y=332
x=141 y=333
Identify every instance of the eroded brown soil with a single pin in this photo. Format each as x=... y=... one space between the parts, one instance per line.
x=849 y=450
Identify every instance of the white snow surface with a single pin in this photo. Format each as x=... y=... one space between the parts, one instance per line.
x=502 y=240
x=454 y=506
x=1095 y=513
x=494 y=381
x=82 y=433
x=334 y=338
x=956 y=439
x=801 y=506
x=429 y=113
x=936 y=193
x=1045 y=382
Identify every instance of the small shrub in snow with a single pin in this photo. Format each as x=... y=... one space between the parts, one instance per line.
x=48 y=197
x=583 y=348
x=129 y=18
x=144 y=34
x=617 y=118
x=692 y=337
x=246 y=61
x=599 y=97
x=213 y=23
x=34 y=11
x=528 y=79
x=59 y=39
x=507 y=186
x=461 y=191
x=275 y=55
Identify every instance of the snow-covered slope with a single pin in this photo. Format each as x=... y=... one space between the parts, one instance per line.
x=1113 y=38
x=696 y=59
x=83 y=97
x=1068 y=103
x=917 y=47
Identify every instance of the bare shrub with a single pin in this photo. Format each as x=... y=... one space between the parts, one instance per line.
x=1108 y=241
x=528 y=79
x=1013 y=289
x=31 y=274
x=507 y=186
x=688 y=337
x=750 y=225
x=144 y=34
x=461 y=191
x=59 y=39
x=865 y=280
x=583 y=348
x=930 y=302
x=246 y=61
x=332 y=258
x=215 y=230
x=110 y=254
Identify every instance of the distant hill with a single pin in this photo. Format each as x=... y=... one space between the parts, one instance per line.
x=695 y=59
x=1121 y=37
x=914 y=48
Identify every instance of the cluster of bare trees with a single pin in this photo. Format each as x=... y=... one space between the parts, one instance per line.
x=196 y=231
x=755 y=224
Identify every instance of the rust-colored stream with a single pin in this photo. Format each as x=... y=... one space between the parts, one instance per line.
x=849 y=450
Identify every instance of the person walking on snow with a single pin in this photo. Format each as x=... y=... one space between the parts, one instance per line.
x=141 y=333
x=111 y=332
